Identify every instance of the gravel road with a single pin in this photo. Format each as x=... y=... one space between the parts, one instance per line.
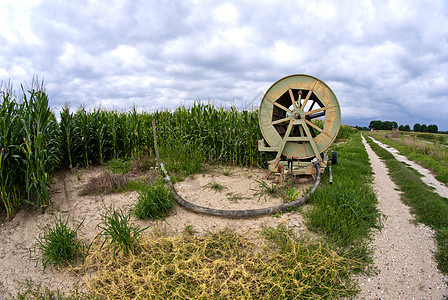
x=403 y=251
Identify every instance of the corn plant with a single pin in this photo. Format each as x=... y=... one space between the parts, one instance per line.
x=40 y=145
x=70 y=137
x=11 y=178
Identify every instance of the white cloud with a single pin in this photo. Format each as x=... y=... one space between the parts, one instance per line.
x=383 y=59
x=226 y=13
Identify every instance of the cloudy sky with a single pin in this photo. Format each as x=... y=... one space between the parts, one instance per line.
x=385 y=60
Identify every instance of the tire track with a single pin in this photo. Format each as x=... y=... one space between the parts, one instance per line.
x=403 y=251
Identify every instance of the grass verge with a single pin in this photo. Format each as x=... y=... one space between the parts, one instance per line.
x=346 y=211
x=428 y=207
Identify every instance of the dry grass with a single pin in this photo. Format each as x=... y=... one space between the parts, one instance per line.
x=221 y=265
x=107 y=182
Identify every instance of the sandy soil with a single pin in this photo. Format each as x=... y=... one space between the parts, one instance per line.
x=17 y=237
x=403 y=251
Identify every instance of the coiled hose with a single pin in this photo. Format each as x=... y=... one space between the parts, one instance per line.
x=245 y=213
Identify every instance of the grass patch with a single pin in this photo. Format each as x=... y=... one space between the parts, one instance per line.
x=134 y=185
x=267 y=190
x=59 y=245
x=428 y=207
x=345 y=211
x=154 y=201
x=291 y=194
x=118 y=166
x=28 y=289
x=117 y=229
x=223 y=265
x=235 y=197
x=216 y=186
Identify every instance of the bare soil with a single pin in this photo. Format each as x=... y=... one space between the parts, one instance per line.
x=18 y=236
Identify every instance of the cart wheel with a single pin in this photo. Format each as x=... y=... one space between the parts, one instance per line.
x=334 y=157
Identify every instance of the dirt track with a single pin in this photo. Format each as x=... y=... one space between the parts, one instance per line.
x=403 y=251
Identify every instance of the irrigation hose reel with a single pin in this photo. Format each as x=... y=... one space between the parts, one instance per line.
x=299 y=118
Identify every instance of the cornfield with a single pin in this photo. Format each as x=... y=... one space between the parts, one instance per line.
x=33 y=143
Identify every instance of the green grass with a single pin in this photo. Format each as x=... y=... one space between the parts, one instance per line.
x=28 y=289
x=428 y=207
x=118 y=166
x=134 y=185
x=345 y=212
x=154 y=202
x=235 y=197
x=59 y=245
x=267 y=190
x=291 y=194
x=216 y=186
x=117 y=229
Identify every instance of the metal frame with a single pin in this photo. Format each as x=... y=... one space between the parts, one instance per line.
x=286 y=122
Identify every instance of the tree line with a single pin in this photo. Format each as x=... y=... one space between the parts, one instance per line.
x=389 y=125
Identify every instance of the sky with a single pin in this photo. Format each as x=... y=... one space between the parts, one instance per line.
x=384 y=60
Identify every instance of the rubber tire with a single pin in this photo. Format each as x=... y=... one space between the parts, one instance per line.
x=334 y=157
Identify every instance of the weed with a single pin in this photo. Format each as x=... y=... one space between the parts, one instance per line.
x=265 y=190
x=189 y=229
x=59 y=245
x=291 y=194
x=28 y=289
x=135 y=185
x=226 y=171
x=277 y=215
x=118 y=166
x=217 y=187
x=116 y=228
x=235 y=197
x=153 y=202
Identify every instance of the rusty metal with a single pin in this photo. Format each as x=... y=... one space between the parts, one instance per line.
x=299 y=118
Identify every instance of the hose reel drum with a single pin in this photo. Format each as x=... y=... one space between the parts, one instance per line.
x=299 y=118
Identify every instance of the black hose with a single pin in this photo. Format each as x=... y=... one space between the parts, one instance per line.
x=245 y=213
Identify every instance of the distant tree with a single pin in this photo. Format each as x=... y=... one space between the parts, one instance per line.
x=406 y=128
x=380 y=125
x=424 y=128
x=377 y=124
x=401 y=128
x=433 y=128
x=417 y=127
